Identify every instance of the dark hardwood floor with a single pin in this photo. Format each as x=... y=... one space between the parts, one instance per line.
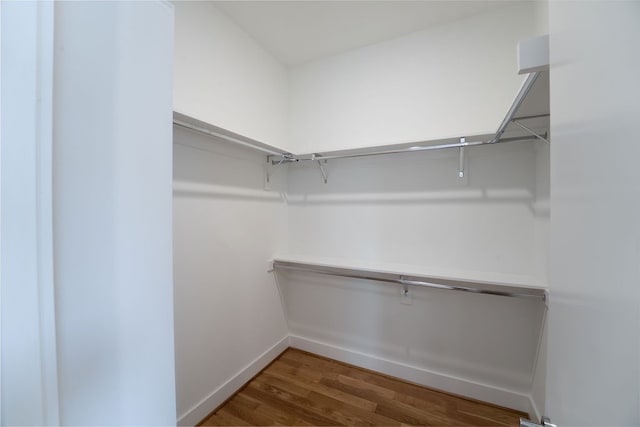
x=300 y=388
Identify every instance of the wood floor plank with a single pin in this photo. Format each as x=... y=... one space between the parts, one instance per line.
x=366 y=386
x=320 y=388
x=301 y=359
x=246 y=409
x=319 y=404
x=223 y=418
x=351 y=415
x=329 y=403
x=298 y=372
x=277 y=416
x=300 y=407
x=500 y=417
x=300 y=388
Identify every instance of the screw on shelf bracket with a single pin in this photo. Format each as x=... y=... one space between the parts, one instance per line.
x=406 y=297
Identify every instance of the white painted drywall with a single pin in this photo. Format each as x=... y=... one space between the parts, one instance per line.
x=593 y=359
x=445 y=82
x=296 y=32
x=223 y=77
x=226 y=229
x=414 y=210
x=541 y=212
x=112 y=212
x=29 y=394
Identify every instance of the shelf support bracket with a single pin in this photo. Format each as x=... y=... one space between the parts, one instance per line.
x=267 y=174
x=271 y=164
x=463 y=140
x=322 y=170
x=530 y=131
x=405 y=287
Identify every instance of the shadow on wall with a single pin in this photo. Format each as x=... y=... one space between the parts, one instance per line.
x=501 y=174
x=206 y=167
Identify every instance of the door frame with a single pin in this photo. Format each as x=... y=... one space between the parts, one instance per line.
x=27 y=296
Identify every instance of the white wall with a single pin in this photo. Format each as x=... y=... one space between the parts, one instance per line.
x=446 y=82
x=542 y=212
x=414 y=210
x=28 y=393
x=228 y=309
x=112 y=213
x=593 y=355
x=223 y=77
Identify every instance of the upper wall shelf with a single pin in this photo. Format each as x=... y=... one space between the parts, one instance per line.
x=526 y=119
x=205 y=128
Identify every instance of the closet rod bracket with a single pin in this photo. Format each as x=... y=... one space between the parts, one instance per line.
x=405 y=287
x=271 y=163
x=317 y=158
x=463 y=141
x=282 y=159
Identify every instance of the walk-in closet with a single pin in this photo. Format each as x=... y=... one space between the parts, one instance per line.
x=385 y=206
x=320 y=213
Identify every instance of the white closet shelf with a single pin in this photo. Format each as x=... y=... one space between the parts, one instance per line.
x=507 y=285
x=526 y=119
x=191 y=123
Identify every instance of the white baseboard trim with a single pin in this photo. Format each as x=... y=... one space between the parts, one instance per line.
x=197 y=413
x=474 y=390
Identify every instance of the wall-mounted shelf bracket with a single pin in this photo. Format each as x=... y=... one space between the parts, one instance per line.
x=461 y=158
x=267 y=175
x=531 y=131
x=282 y=159
x=271 y=163
x=322 y=170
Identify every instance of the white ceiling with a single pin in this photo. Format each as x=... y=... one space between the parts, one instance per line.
x=295 y=32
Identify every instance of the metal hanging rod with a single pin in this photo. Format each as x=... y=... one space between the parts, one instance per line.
x=425 y=282
x=316 y=157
